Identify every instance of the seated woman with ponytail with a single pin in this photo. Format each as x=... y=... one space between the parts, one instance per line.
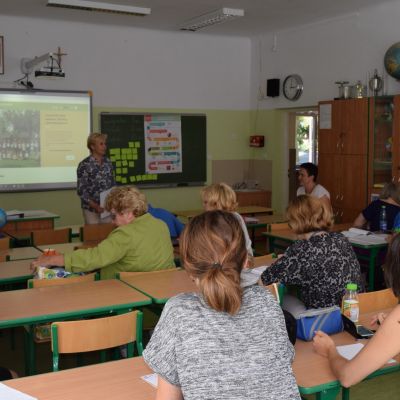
x=224 y=341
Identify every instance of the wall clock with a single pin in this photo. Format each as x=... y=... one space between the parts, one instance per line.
x=292 y=87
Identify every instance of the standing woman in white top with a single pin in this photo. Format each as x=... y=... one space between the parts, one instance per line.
x=308 y=174
x=220 y=196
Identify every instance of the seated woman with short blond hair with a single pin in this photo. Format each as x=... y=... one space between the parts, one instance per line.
x=220 y=196
x=321 y=262
x=139 y=243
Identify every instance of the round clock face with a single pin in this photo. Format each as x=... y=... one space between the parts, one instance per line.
x=292 y=87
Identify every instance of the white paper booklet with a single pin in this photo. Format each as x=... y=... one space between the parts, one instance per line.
x=349 y=351
x=152 y=379
x=361 y=236
x=12 y=394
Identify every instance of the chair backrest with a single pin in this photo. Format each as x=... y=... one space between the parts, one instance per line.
x=38 y=283
x=376 y=301
x=97 y=334
x=51 y=236
x=279 y=226
x=4 y=243
x=273 y=288
x=95 y=232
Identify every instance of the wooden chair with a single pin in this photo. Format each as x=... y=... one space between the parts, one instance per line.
x=376 y=301
x=51 y=236
x=96 y=334
x=273 y=288
x=30 y=330
x=4 y=243
x=279 y=226
x=95 y=232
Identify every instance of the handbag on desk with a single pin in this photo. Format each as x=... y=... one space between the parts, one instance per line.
x=328 y=320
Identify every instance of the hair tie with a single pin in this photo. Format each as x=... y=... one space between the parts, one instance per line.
x=217 y=265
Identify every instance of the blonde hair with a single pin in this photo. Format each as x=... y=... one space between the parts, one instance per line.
x=126 y=198
x=392 y=190
x=213 y=251
x=309 y=214
x=219 y=196
x=93 y=138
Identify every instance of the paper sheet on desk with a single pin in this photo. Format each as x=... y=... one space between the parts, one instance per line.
x=152 y=379
x=349 y=351
x=12 y=394
x=366 y=237
x=103 y=196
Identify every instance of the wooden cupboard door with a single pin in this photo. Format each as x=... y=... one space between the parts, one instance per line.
x=329 y=175
x=396 y=139
x=349 y=214
x=328 y=139
x=353 y=182
x=353 y=126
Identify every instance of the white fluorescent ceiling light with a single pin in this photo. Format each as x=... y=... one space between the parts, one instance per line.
x=212 y=18
x=97 y=6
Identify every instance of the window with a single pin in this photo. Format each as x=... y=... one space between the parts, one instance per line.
x=306 y=137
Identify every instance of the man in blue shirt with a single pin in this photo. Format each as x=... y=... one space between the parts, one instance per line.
x=174 y=225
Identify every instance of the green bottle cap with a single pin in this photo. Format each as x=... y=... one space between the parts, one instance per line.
x=351 y=286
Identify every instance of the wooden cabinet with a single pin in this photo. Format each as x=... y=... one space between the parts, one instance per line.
x=260 y=198
x=384 y=142
x=343 y=156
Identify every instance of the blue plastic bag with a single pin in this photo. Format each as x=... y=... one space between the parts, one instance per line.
x=328 y=320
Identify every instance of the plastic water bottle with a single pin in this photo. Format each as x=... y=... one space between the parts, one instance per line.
x=350 y=305
x=382 y=219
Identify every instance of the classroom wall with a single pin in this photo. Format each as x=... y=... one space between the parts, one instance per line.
x=344 y=48
x=139 y=70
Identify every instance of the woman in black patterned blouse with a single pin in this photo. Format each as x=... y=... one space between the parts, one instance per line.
x=321 y=262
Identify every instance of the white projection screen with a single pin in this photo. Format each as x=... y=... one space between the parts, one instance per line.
x=43 y=137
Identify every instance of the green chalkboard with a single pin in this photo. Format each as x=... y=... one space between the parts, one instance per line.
x=157 y=149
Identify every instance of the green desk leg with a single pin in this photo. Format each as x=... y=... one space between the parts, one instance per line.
x=345 y=393
x=322 y=392
x=271 y=244
x=328 y=394
x=371 y=267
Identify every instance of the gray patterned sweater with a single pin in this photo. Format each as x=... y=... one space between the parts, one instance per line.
x=214 y=355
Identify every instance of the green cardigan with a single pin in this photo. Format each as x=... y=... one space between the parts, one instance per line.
x=142 y=245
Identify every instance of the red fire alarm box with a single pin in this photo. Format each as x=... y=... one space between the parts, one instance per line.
x=257 y=141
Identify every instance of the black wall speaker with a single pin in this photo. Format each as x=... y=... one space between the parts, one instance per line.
x=273 y=87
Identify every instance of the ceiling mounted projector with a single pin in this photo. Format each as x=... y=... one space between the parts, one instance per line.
x=101 y=7
x=51 y=70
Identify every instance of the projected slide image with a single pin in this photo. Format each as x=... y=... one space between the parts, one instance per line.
x=63 y=137
x=19 y=138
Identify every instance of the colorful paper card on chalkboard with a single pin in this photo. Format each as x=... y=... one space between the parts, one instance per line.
x=157 y=150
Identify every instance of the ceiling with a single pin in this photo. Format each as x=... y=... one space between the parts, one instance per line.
x=261 y=16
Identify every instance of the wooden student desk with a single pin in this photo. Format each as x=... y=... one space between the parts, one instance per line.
x=33 y=306
x=313 y=373
x=21 y=253
x=21 y=228
x=111 y=380
x=288 y=237
x=162 y=285
x=15 y=271
x=121 y=379
x=61 y=247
